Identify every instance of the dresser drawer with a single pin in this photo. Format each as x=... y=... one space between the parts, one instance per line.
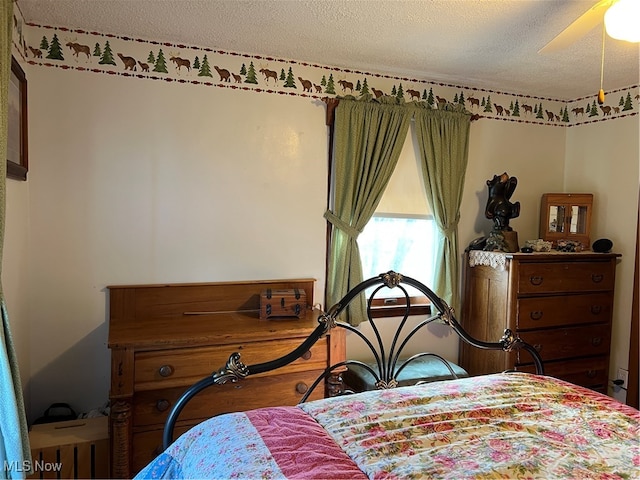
x=556 y=344
x=148 y=445
x=182 y=367
x=554 y=277
x=588 y=372
x=541 y=312
x=152 y=407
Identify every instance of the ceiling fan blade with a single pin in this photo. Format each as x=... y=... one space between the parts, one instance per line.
x=580 y=27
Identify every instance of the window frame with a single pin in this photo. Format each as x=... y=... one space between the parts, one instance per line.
x=395 y=306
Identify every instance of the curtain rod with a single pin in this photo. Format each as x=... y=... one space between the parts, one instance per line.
x=332 y=103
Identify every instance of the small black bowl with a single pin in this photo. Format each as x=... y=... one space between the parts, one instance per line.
x=526 y=250
x=602 y=245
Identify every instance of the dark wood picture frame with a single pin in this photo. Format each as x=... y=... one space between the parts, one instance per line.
x=17 y=151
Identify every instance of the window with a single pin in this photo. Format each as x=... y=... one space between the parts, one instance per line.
x=403 y=244
x=402 y=234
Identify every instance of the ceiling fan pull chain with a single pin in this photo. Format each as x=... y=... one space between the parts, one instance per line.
x=601 y=92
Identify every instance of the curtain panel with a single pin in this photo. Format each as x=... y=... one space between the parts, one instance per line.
x=443 y=140
x=368 y=135
x=368 y=139
x=15 y=455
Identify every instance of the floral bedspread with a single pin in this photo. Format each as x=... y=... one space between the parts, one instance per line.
x=498 y=426
x=511 y=425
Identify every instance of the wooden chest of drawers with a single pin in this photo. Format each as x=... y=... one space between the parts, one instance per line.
x=164 y=338
x=561 y=303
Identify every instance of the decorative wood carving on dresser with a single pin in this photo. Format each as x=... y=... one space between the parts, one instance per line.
x=561 y=303
x=163 y=338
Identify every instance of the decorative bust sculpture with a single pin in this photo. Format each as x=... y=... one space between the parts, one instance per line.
x=499 y=207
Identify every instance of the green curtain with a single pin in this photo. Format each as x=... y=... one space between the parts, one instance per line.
x=443 y=140
x=14 y=437
x=368 y=139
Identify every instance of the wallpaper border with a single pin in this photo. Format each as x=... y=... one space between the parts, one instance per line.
x=103 y=53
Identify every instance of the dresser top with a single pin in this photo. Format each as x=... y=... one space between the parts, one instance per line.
x=248 y=283
x=194 y=329
x=499 y=260
x=160 y=316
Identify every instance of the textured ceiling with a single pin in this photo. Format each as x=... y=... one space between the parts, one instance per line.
x=478 y=43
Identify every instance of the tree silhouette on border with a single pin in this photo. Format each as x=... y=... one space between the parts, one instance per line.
x=290 y=81
x=488 y=106
x=515 y=110
x=364 y=89
x=107 y=55
x=251 y=75
x=205 y=68
x=161 y=63
x=330 y=87
x=55 y=50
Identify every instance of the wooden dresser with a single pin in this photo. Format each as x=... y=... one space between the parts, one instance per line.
x=163 y=338
x=561 y=303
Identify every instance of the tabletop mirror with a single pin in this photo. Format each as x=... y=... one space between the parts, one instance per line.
x=566 y=216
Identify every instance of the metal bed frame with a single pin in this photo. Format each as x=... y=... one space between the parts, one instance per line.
x=388 y=365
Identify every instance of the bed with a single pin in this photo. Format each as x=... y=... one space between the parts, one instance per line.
x=503 y=425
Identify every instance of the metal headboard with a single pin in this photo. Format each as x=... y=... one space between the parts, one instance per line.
x=389 y=365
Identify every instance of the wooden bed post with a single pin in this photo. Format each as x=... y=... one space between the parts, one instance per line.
x=337 y=353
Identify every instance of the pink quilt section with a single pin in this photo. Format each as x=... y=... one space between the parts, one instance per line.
x=301 y=447
x=271 y=443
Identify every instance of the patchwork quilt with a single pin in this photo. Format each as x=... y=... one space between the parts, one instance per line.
x=510 y=425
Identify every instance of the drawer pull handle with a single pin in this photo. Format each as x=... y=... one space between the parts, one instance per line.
x=538 y=347
x=165 y=371
x=301 y=387
x=537 y=315
x=591 y=373
x=162 y=405
x=536 y=280
x=596 y=309
x=595 y=341
x=597 y=277
x=306 y=355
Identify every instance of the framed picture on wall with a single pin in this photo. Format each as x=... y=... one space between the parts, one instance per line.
x=17 y=153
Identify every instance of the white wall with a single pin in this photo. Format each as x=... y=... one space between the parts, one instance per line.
x=143 y=181
x=15 y=268
x=604 y=159
x=534 y=154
